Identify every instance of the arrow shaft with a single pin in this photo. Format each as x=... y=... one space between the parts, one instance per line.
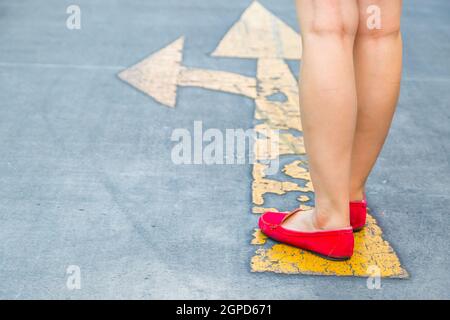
x=218 y=80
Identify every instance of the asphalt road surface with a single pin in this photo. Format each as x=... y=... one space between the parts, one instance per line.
x=87 y=183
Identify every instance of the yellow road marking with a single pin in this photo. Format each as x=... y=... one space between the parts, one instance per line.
x=159 y=75
x=259 y=237
x=250 y=38
x=218 y=80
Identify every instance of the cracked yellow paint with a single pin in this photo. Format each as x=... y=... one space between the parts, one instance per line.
x=286 y=143
x=297 y=169
x=305 y=207
x=294 y=170
x=303 y=198
x=259 y=210
x=259 y=237
x=262 y=185
x=275 y=77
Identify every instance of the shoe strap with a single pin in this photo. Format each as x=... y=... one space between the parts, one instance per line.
x=290 y=214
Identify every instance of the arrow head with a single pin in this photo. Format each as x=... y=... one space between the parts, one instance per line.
x=259 y=34
x=157 y=75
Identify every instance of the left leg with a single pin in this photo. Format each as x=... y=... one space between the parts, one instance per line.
x=378 y=64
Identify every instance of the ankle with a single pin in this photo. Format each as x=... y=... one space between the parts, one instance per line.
x=357 y=194
x=331 y=219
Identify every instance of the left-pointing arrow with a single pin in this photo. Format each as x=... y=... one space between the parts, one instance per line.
x=159 y=75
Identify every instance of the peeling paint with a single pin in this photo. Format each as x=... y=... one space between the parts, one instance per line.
x=262 y=185
x=303 y=198
x=259 y=210
x=274 y=76
x=258 y=237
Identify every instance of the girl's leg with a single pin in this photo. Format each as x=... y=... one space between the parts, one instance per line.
x=328 y=107
x=378 y=64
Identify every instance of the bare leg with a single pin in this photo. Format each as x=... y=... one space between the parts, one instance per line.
x=328 y=106
x=378 y=64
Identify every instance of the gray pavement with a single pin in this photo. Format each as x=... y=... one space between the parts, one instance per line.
x=86 y=177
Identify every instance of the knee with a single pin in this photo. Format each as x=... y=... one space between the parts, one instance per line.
x=332 y=18
x=385 y=31
x=335 y=28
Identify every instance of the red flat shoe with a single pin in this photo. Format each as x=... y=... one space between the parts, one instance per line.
x=330 y=244
x=358 y=214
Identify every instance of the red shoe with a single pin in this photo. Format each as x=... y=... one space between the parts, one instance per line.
x=330 y=244
x=358 y=213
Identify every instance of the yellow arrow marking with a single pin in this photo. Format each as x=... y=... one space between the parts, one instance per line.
x=159 y=75
x=260 y=34
x=218 y=80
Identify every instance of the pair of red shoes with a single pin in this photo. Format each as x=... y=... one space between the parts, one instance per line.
x=330 y=244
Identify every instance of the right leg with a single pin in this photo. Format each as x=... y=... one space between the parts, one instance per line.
x=328 y=108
